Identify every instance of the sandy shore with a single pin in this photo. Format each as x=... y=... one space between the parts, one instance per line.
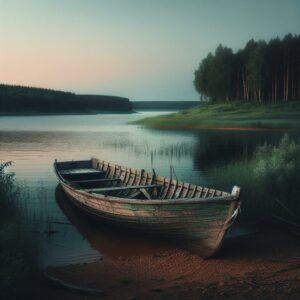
x=264 y=265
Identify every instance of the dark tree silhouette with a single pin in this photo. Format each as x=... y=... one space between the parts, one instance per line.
x=263 y=72
x=28 y=99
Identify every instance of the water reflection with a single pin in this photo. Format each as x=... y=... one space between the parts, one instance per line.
x=218 y=147
x=110 y=241
x=59 y=241
x=34 y=143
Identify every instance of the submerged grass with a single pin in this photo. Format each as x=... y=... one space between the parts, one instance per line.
x=231 y=115
x=18 y=250
x=269 y=180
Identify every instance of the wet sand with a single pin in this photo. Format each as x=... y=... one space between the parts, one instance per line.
x=264 y=265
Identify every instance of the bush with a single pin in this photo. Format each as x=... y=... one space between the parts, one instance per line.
x=18 y=259
x=269 y=180
x=8 y=192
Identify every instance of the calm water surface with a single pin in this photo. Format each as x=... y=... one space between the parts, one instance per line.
x=33 y=142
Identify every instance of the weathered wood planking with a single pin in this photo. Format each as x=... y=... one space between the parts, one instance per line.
x=197 y=216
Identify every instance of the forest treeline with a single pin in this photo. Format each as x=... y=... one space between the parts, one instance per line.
x=261 y=71
x=20 y=99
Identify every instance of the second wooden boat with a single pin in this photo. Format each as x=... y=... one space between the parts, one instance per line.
x=194 y=215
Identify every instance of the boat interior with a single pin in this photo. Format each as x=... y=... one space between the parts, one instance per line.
x=96 y=176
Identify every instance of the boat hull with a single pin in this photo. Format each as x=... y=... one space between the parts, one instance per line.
x=199 y=225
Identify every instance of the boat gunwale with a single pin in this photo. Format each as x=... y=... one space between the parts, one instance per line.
x=225 y=199
x=219 y=199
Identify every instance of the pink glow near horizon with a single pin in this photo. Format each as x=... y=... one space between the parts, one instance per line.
x=69 y=67
x=144 y=50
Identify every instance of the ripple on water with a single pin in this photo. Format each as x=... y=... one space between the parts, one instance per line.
x=34 y=142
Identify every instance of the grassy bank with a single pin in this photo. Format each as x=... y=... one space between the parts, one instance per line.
x=231 y=115
x=18 y=249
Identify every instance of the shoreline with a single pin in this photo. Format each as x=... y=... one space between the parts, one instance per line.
x=263 y=264
x=206 y=127
x=230 y=116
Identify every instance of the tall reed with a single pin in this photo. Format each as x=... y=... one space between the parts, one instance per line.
x=18 y=248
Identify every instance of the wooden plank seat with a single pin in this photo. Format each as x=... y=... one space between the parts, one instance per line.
x=96 y=180
x=122 y=188
x=82 y=174
x=80 y=171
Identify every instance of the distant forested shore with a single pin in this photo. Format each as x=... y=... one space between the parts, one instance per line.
x=30 y=100
x=261 y=72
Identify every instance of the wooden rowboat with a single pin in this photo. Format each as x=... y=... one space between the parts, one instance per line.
x=197 y=216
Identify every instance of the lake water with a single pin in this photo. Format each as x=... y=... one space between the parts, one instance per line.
x=33 y=142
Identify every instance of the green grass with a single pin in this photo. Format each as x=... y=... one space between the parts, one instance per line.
x=269 y=181
x=231 y=115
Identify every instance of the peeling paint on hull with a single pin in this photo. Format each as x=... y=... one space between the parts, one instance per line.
x=199 y=222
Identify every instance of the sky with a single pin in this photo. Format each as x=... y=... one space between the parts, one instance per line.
x=141 y=49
